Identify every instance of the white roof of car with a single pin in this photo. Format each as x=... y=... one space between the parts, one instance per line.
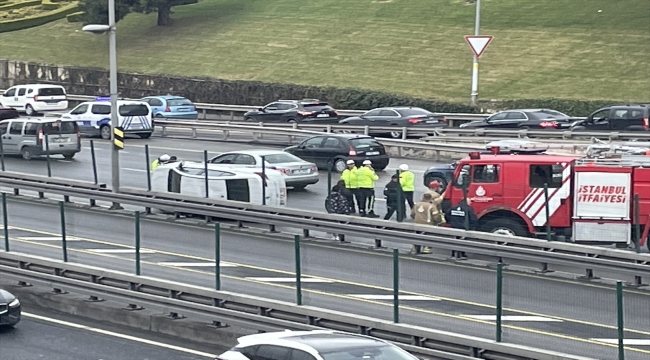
x=258 y=152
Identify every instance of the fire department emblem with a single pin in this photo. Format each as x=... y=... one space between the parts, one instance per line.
x=480 y=191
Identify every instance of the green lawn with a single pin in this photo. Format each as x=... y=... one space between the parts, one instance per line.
x=549 y=48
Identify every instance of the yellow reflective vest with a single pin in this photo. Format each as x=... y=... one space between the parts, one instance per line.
x=407 y=180
x=366 y=177
x=349 y=176
x=154 y=164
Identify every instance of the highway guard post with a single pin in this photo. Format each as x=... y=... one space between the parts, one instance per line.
x=118 y=138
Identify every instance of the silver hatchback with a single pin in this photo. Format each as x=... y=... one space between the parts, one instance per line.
x=298 y=173
x=31 y=137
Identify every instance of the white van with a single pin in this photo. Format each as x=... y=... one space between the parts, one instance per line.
x=224 y=183
x=94 y=117
x=35 y=98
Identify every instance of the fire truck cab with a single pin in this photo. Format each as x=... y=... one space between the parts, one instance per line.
x=518 y=191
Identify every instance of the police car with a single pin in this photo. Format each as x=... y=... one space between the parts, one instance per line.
x=94 y=117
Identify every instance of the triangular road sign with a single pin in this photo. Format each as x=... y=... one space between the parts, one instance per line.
x=478 y=43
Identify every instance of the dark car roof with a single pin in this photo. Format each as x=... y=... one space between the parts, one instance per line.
x=348 y=136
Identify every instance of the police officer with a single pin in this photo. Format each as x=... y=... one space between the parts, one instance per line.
x=366 y=177
x=462 y=216
x=394 y=199
x=349 y=177
x=163 y=159
x=407 y=180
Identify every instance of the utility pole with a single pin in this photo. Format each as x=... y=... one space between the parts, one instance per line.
x=477 y=24
x=112 y=53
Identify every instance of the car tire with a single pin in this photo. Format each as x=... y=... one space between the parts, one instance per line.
x=502 y=226
x=292 y=121
x=145 y=135
x=105 y=132
x=26 y=153
x=69 y=156
x=250 y=119
x=339 y=165
x=395 y=134
x=160 y=116
x=29 y=110
x=299 y=187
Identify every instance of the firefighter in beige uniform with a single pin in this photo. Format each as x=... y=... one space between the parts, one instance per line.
x=426 y=212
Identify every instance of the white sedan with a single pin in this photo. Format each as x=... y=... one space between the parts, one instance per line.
x=298 y=172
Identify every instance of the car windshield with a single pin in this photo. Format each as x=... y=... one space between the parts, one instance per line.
x=364 y=142
x=134 y=110
x=414 y=112
x=550 y=114
x=388 y=352
x=179 y=102
x=60 y=127
x=282 y=158
x=53 y=91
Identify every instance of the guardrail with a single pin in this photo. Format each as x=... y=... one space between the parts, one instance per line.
x=545 y=253
x=252 y=312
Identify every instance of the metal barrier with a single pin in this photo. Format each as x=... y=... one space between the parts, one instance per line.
x=252 y=312
x=588 y=258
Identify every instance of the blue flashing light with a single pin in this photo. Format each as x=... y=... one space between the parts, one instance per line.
x=102 y=98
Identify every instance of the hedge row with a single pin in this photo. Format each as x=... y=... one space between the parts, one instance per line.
x=37 y=20
x=19 y=5
x=49 y=5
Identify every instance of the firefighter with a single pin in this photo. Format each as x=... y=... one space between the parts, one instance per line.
x=462 y=216
x=366 y=178
x=434 y=190
x=394 y=199
x=407 y=180
x=163 y=159
x=349 y=177
x=427 y=213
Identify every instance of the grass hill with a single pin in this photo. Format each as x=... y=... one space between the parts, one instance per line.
x=552 y=48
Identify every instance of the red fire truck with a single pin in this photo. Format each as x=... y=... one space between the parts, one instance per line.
x=595 y=199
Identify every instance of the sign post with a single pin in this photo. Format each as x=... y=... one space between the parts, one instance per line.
x=478 y=44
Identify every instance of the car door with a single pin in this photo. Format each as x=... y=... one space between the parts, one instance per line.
x=285 y=112
x=368 y=118
x=308 y=149
x=78 y=115
x=387 y=117
x=156 y=105
x=495 y=121
x=21 y=99
x=514 y=119
x=11 y=141
x=8 y=98
x=270 y=113
x=600 y=120
x=330 y=149
x=618 y=119
x=4 y=128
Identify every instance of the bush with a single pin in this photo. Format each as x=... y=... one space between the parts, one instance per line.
x=37 y=20
x=49 y=5
x=19 y=5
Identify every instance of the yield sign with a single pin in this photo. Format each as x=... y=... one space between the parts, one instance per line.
x=478 y=43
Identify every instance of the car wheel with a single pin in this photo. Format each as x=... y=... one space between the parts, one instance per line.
x=506 y=227
x=105 y=132
x=69 y=156
x=26 y=153
x=29 y=110
x=292 y=121
x=299 y=187
x=339 y=165
x=249 y=119
x=145 y=135
x=395 y=134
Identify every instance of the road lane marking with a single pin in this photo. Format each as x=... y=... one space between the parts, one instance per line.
x=48 y=238
x=135 y=170
x=196 y=264
x=629 y=342
x=405 y=307
x=121 y=251
x=289 y=279
x=118 y=335
x=512 y=318
x=391 y=297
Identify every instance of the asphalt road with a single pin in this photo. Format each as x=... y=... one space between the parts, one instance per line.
x=56 y=336
x=563 y=315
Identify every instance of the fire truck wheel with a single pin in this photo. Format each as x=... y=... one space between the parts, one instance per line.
x=505 y=227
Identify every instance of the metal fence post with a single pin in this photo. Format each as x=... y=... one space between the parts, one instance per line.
x=217 y=256
x=5 y=218
x=64 y=243
x=395 y=285
x=619 y=311
x=2 y=154
x=499 y=306
x=263 y=180
x=401 y=206
x=205 y=169
x=137 y=243
x=548 y=213
x=47 y=155
x=146 y=156
x=637 y=224
x=330 y=164
x=94 y=159
x=296 y=243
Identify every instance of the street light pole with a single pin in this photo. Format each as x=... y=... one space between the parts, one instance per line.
x=112 y=69
x=477 y=22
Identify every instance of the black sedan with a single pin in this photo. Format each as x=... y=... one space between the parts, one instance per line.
x=9 y=309
x=523 y=119
x=8 y=113
x=397 y=117
x=311 y=111
x=442 y=173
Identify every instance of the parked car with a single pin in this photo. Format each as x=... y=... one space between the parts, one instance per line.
x=170 y=106
x=94 y=117
x=8 y=113
x=333 y=150
x=295 y=111
x=523 y=119
x=9 y=309
x=313 y=345
x=297 y=172
x=31 y=137
x=397 y=117
x=442 y=173
x=616 y=118
x=35 y=98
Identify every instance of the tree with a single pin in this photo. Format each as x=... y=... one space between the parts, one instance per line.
x=96 y=11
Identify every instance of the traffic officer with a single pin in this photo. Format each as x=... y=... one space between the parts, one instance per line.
x=407 y=180
x=349 y=177
x=366 y=178
x=462 y=216
x=163 y=159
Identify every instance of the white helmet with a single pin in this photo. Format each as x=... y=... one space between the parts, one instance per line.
x=164 y=158
x=367 y=162
x=404 y=167
x=350 y=162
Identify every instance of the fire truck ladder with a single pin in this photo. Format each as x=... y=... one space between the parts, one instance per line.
x=627 y=154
